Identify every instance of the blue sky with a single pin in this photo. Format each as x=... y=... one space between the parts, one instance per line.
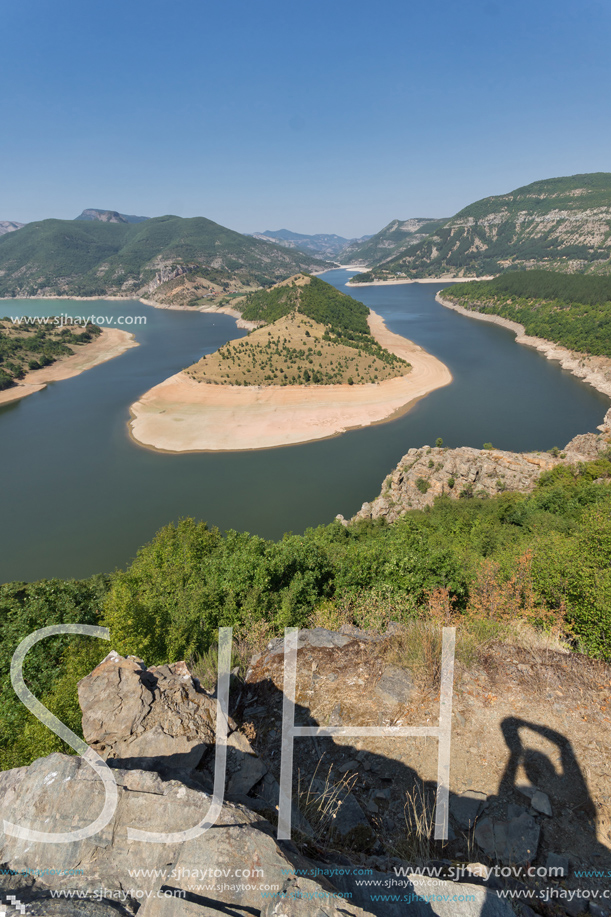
x=320 y=116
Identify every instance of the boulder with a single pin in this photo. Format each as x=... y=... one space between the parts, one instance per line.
x=318 y=637
x=61 y=792
x=147 y=718
x=513 y=842
x=244 y=767
x=466 y=807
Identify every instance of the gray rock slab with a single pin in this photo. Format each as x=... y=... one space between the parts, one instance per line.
x=513 y=842
x=540 y=803
x=396 y=686
x=558 y=862
x=318 y=637
x=477 y=901
x=245 y=768
x=465 y=807
x=61 y=792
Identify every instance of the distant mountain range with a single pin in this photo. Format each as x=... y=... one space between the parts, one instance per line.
x=321 y=245
x=561 y=224
x=109 y=216
x=180 y=260
x=9 y=226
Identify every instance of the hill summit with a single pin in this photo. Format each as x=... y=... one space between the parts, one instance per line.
x=311 y=334
x=109 y=216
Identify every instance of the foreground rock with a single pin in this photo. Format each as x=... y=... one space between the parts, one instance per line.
x=235 y=867
x=150 y=718
x=428 y=472
x=502 y=761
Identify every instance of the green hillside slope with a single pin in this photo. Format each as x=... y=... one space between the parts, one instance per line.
x=563 y=224
x=572 y=311
x=94 y=258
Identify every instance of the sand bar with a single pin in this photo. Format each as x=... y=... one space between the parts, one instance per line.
x=109 y=344
x=181 y=415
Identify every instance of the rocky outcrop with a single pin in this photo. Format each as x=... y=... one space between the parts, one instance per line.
x=60 y=793
x=238 y=866
x=235 y=867
x=559 y=224
x=167 y=273
x=109 y=216
x=9 y=226
x=150 y=717
x=428 y=472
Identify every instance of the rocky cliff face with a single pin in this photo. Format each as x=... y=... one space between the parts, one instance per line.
x=9 y=226
x=395 y=237
x=558 y=224
x=428 y=472
x=109 y=216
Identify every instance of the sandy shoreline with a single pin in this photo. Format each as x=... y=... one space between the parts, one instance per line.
x=181 y=415
x=588 y=369
x=390 y=283
x=109 y=344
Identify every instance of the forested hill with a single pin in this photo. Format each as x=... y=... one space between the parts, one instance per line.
x=562 y=224
x=97 y=258
x=574 y=311
x=312 y=334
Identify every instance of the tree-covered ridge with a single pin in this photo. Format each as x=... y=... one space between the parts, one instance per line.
x=28 y=347
x=341 y=314
x=313 y=335
x=544 y=556
x=563 y=224
x=573 y=310
x=570 y=192
x=94 y=258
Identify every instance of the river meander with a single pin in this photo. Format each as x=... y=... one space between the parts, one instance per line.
x=79 y=496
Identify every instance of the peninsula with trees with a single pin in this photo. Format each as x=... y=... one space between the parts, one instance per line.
x=317 y=363
x=31 y=356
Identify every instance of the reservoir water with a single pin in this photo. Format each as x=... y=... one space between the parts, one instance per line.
x=78 y=496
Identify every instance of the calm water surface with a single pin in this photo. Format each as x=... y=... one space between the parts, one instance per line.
x=78 y=496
